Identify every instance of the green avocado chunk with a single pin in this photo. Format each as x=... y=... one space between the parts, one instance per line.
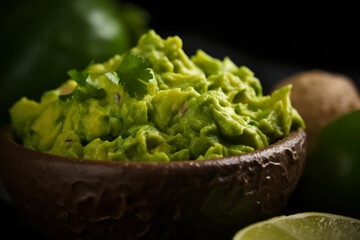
x=154 y=103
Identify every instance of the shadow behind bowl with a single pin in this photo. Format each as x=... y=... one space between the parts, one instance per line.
x=87 y=199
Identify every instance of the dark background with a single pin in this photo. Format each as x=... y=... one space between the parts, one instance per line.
x=274 y=41
x=323 y=35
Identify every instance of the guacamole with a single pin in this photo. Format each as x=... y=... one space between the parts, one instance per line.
x=154 y=103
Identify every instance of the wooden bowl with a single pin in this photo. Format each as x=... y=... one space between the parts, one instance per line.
x=86 y=199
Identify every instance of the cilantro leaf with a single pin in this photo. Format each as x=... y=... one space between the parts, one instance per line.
x=134 y=75
x=113 y=77
x=83 y=90
x=80 y=77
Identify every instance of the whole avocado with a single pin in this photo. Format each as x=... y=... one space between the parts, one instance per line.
x=43 y=39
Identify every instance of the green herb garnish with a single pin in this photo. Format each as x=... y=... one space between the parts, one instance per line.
x=84 y=89
x=134 y=75
x=80 y=77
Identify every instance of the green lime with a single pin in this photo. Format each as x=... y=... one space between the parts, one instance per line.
x=305 y=226
x=331 y=180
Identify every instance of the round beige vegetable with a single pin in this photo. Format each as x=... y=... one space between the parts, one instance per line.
x=321 y=96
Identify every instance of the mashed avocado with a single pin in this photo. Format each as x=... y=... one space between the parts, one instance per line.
x=154 y=103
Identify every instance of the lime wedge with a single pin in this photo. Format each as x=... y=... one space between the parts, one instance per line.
x=309 y=226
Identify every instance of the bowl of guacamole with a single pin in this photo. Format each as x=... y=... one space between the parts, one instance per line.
x=153 y=144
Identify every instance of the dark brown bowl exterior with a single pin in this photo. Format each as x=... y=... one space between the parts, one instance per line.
x=85 y=199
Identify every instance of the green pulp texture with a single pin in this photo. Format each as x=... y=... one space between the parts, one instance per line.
x=194 y=108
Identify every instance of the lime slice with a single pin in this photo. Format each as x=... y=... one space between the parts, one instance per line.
x=309 y=226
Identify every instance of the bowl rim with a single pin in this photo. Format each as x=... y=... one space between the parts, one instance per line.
x=7 y=138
